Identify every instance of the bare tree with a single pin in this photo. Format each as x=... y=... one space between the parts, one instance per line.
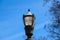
x=54 y=28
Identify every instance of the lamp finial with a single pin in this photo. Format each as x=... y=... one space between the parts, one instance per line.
x=28 y=9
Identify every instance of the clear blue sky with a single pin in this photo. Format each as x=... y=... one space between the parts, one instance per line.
x=11 y=21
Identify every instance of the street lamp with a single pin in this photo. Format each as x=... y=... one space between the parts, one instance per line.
x=29 y=24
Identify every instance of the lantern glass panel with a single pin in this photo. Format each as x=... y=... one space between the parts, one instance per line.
x=28 y=20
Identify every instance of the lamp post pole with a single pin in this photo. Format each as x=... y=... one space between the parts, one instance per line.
x=29 y=24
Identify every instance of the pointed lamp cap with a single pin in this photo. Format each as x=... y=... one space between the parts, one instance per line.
x=29 y=13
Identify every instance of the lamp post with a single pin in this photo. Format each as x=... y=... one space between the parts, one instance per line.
x=29 y=24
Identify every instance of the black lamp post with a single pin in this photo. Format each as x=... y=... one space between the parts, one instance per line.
x=29 y=24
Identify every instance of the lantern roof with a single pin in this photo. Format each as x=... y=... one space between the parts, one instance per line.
x=29 y=13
